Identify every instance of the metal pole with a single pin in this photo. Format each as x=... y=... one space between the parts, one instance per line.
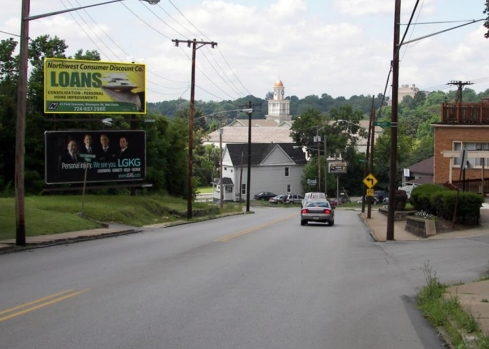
x=393 y=148
x=325 y=167
x=318 y=139
x=337 y=190
x=220 y=171
x=191 y=132
x=248 y=180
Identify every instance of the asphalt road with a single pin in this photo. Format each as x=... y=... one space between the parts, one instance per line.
x=248 y=281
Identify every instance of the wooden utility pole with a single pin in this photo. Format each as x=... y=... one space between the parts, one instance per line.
x=460 y=86
x=193 y=44
x=393 y=147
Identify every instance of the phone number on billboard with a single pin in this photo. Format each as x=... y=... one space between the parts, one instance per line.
x=89 y=109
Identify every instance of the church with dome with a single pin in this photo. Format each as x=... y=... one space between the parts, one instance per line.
x=278 y=107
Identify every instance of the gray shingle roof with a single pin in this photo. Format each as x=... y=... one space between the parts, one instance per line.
x=259 y=151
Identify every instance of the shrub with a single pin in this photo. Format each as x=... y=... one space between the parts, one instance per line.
x=421 y=197
x=468 y=207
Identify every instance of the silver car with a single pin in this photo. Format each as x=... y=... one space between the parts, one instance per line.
x=317 y=211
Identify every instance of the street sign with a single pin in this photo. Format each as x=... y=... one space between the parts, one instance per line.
x=382 y=123
x=370 y=192
x=370 y=181
x=362 y=161
x=311 y=182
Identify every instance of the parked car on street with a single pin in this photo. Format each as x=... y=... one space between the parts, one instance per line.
x=264 y=195
x=380 y=195
x=278 y=199
x=334 y=203
x=319 y=210
x=375 y=201
x=293 y=198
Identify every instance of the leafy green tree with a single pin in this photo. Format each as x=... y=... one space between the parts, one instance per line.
x=9 y=76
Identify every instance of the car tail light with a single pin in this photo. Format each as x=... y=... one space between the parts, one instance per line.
x=304 y=210
x=327 y=211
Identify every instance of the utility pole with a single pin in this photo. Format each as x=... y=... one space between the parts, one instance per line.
x=317 y=139
x=369 y=158
x=393 y=147
x=460 y=85
x=249 y=110
x=192 y=43
x=325 y=166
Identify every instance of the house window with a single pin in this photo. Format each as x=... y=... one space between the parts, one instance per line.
x=243 y=189
x=287 y=172
x=288 y=188
x=457 y=146
x=470 y=162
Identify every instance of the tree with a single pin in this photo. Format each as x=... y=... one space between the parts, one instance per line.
x=9 y=76
x=486 y=23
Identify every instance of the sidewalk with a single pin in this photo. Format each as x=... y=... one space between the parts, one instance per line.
x=473 y=297
x=377 y=224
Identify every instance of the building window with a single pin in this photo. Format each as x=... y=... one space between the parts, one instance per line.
x=243 y=189
x=287 y=172
x=288 y=188
x=457 y=146
x=470 y=162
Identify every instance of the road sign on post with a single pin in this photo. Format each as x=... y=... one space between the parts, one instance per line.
x=370 y=181
x=382 y=123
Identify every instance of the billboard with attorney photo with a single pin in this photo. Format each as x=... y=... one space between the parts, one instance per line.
x=94 y=87
x=101 y=156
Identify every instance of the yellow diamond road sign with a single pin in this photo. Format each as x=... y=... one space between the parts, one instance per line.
x=370 y=181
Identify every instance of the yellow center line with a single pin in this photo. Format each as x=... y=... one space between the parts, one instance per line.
x=41 y=300
x=258 y=227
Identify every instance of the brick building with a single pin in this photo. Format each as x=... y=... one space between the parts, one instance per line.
x=461 y=146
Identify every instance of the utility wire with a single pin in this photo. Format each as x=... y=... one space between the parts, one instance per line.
x=116 y=55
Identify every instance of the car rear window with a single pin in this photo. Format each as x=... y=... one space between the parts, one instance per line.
x=317 y=204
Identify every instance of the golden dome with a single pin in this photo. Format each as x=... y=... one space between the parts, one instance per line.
x=279 y=83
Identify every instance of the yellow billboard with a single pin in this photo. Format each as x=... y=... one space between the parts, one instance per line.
x=94 y=87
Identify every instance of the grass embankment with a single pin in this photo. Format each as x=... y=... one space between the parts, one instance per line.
x=457 y=327
x=58 y=214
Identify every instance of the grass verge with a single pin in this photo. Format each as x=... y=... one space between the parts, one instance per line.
x=457 y=327
x=59 y=214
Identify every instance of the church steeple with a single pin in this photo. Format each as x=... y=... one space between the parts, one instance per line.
x=278 y=90
x=278 y=107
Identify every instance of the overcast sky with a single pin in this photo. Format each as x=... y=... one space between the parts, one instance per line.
x=337 y=47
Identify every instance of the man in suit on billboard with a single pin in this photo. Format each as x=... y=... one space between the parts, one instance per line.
x=106 y=152
x=87 y=147
x=125 y=151
x=72 y=156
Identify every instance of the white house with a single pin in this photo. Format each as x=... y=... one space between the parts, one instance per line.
x=275 y=167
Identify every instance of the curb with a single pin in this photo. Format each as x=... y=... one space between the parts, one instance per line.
x=8 y=248
x=370 y=230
